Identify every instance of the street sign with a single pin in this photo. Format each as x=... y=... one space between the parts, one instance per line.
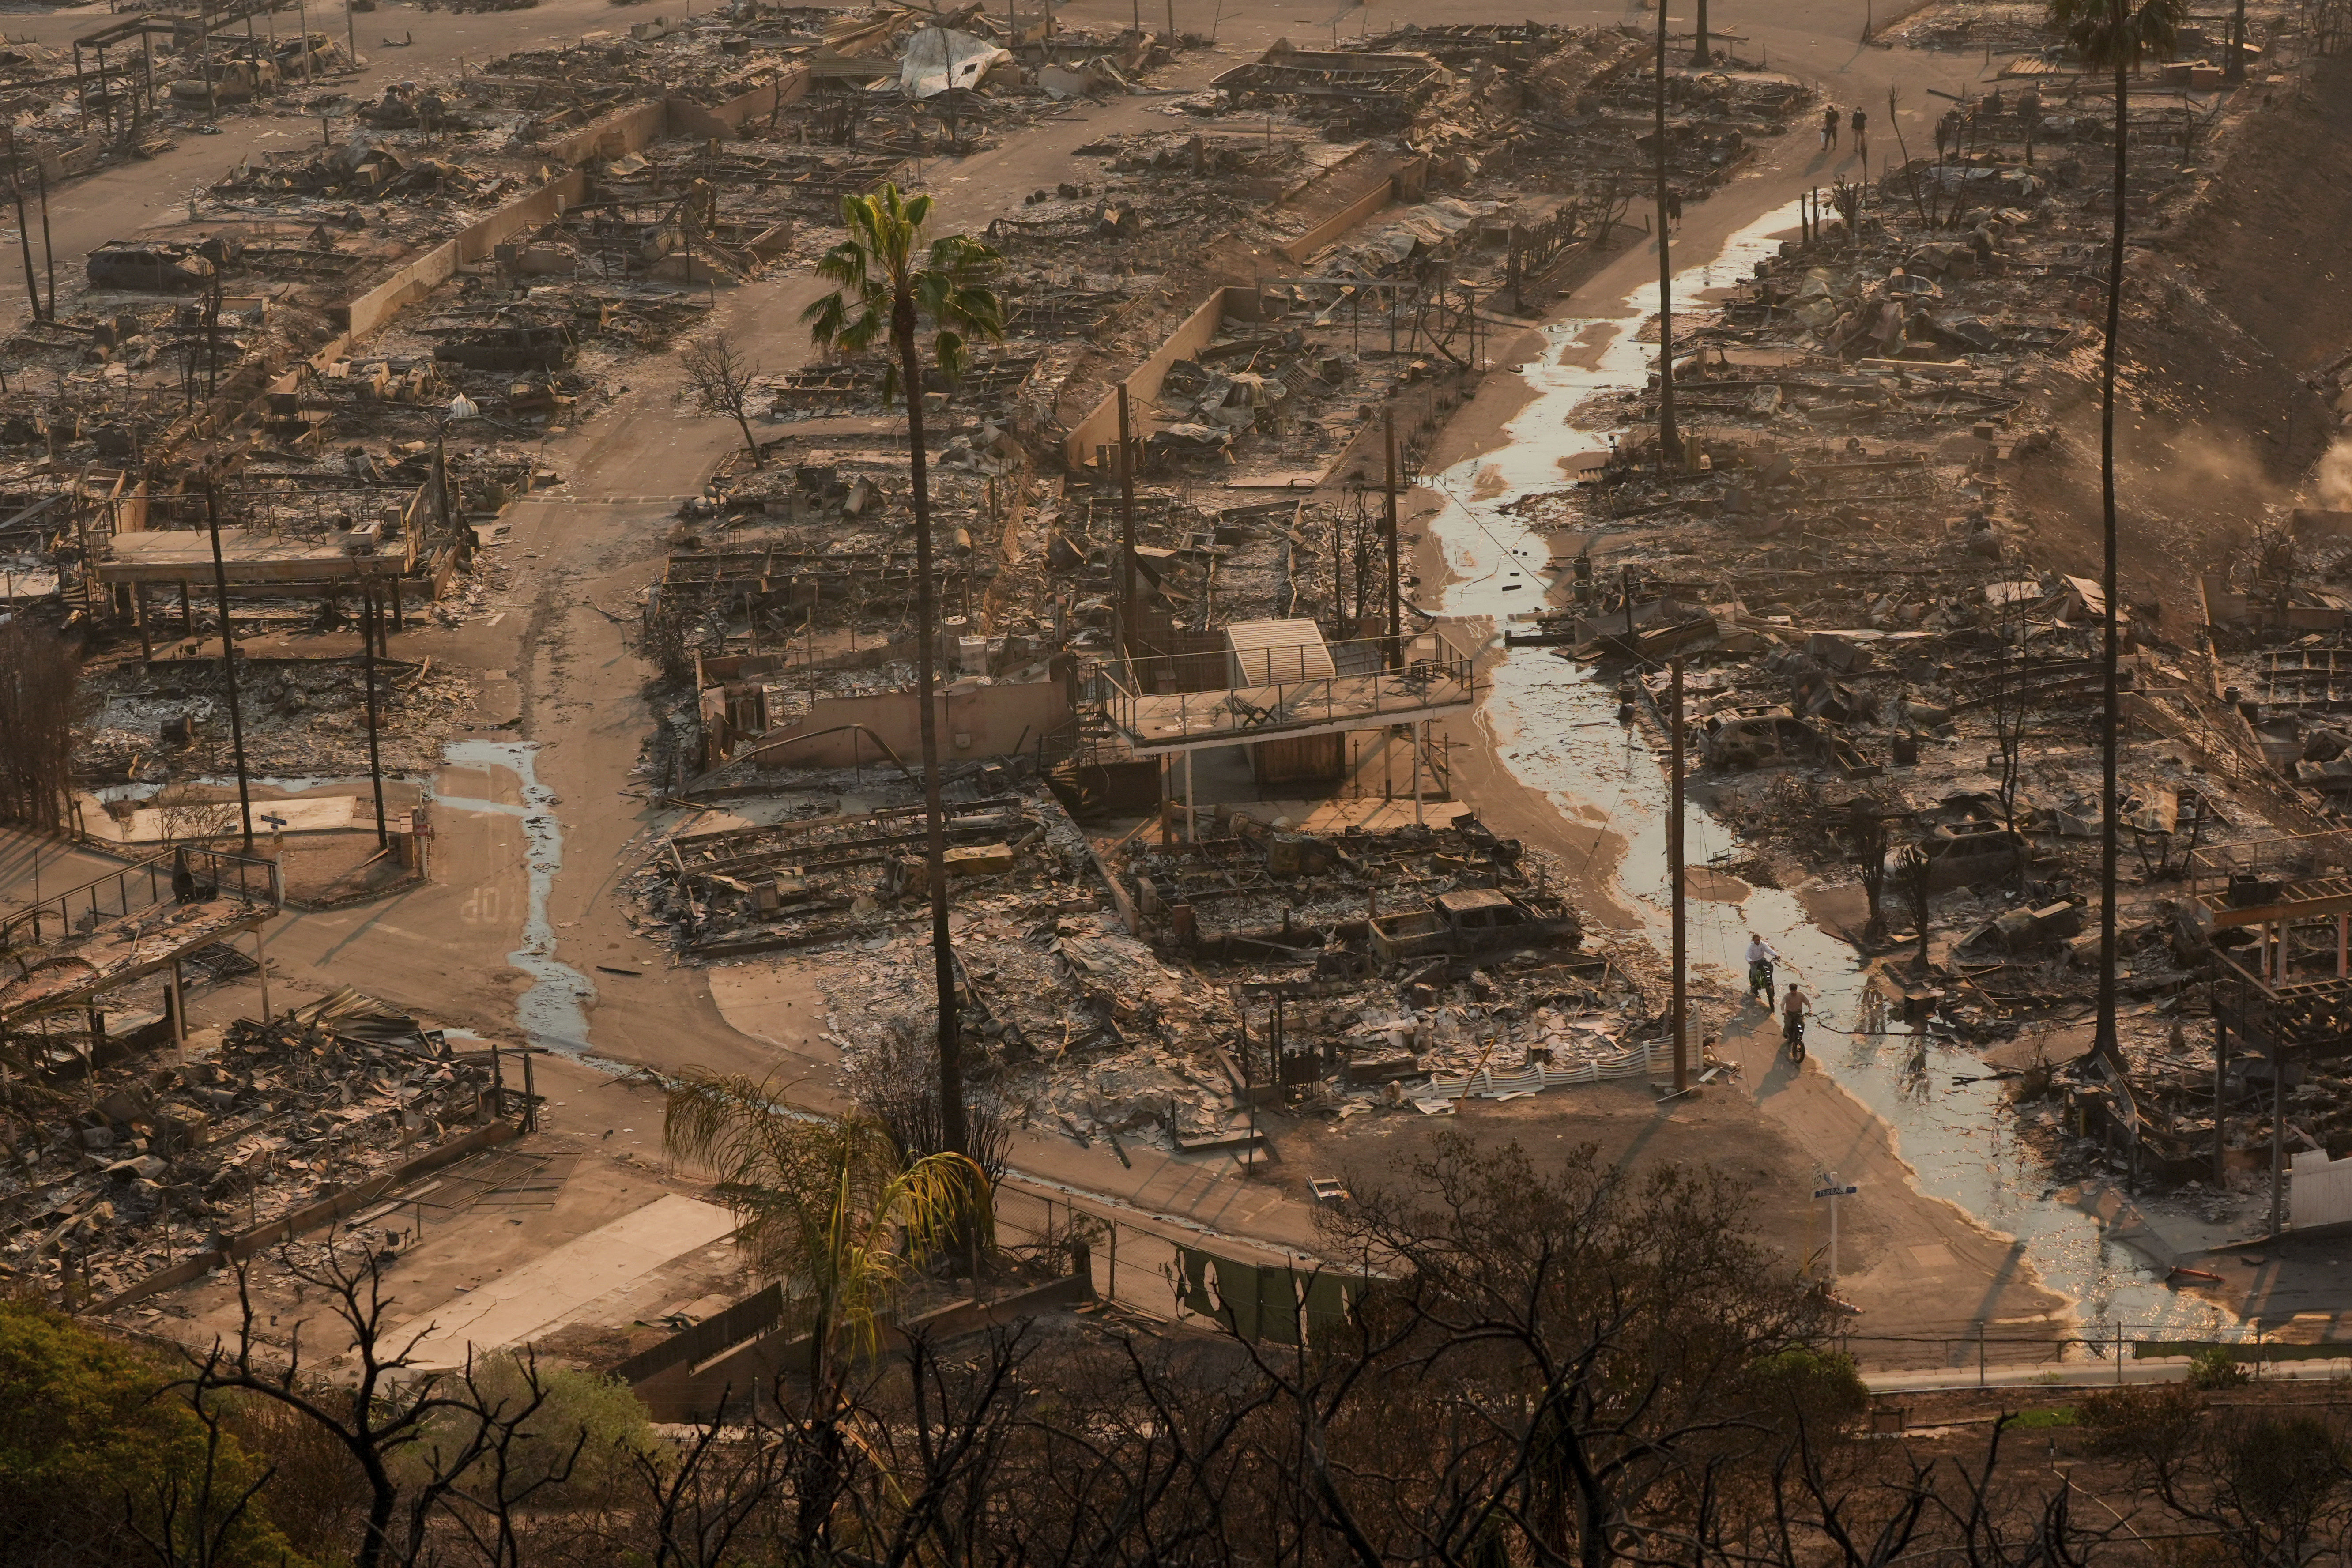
x=1834 y=1191
x=272 y=821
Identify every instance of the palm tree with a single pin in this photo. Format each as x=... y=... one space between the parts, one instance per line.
x=2116 y=35
x=828 y=1203
x=890 y=285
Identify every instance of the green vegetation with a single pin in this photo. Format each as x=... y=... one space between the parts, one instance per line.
x=583 y=1439
x=98 y=1465
x=1824 y=1386
x=2049 y=1416
x=831 y=1204
x=2217 y=1367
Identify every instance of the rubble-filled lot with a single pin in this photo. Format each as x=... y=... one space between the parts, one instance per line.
x=301 y=719
x=1336 y=974
x=122 y=1167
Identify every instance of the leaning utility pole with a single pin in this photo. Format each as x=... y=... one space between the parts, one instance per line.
x=228 y=667
x=1677 y=897
x=1669 y=442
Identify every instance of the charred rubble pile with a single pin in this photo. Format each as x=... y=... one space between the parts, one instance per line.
x=805 y=560
x=2022 y=29
x=820 y=876
x=122 y=1166
x=157 y=722
x=1274 y=985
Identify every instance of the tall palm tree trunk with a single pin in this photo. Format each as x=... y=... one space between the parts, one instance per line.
x=2103 y=1038
x=935 y=832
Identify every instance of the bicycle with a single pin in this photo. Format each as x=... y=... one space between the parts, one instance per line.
x=1792 y=1035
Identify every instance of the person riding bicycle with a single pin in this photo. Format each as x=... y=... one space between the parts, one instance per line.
x=1760 y=954
x=1794 y=1007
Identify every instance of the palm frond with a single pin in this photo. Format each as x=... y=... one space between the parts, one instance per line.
x=2110 y=35
x=829 y=1203
x=883 y=264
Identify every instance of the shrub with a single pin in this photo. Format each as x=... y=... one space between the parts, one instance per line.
x=96 y=1445
x=598 y=1416
x=1824 y=1387
x=2215 y=1367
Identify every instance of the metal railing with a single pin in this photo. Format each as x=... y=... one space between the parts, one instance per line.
x=1276 y=689
x=2288 y=859
x=186 y=874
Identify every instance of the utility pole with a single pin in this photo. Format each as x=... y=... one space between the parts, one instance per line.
x=24 y=230
x=1702 y=55
x=2278 y=1135
x=1669 y=442
x=228 y=666
x=1129 y=608
x=1674 y=870
x=351 y=37
x=1396 y=591
x=368 y=628
x=49 y=252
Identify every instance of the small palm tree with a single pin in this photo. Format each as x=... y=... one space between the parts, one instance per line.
x=829 y=1203
x=2114 y=35
x=891 y=284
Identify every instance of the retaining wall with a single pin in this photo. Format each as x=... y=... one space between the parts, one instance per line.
x=311 y=1215
x=370 y=311
x=1100 y=428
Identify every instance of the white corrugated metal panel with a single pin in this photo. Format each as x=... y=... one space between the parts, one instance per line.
x=1269 y=653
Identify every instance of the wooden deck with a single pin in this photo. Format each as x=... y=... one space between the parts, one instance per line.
x=2304 y=899
x=1186 y=720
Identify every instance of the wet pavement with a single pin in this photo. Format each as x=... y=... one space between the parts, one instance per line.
x=1553 y=725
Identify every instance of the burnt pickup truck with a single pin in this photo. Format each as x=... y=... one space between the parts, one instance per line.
x=1476 y=920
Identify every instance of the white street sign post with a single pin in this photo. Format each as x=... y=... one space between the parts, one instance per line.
x=1833 y=1191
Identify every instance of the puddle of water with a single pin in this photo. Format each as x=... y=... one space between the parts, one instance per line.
x=1553 y=725
x=227 y=781
x=554 y=1013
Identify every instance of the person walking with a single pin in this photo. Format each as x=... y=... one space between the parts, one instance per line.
x=1861 y=135
x=1674 y=208
x=1794 y=1007
x=1828 y=127
x=1760 y=956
